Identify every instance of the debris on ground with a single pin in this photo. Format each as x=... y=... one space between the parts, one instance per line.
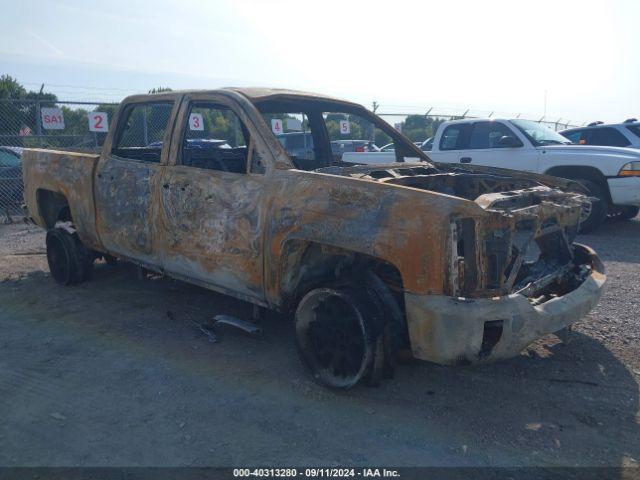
x=244 y=325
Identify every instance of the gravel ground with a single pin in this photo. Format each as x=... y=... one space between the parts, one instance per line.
x=115 y=372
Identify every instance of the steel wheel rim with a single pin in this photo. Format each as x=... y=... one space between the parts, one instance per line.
x=585 y=213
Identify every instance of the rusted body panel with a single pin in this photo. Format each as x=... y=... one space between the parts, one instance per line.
x=364 y=217
x=69 y=174
x=448 y=232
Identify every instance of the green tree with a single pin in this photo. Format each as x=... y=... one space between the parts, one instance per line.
x=19 y=110
x=10 y=88
x=419 y=127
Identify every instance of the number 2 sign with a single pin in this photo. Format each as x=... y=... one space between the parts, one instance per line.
x=98 y=122
x=196 y=122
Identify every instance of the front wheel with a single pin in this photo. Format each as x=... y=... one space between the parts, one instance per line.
x=595 y=213
x=337 y=333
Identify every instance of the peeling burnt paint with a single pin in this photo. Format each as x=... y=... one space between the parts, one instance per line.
x=444 y=231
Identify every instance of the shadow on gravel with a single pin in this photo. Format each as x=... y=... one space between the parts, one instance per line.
x=122 y=359
x=573 y=404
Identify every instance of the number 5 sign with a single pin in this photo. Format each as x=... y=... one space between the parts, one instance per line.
x=98 y=122
x=345 y=128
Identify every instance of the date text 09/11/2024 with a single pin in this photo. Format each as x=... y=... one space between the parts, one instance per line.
x=316 y=472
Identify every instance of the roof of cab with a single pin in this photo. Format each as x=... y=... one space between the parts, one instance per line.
x=253 y=94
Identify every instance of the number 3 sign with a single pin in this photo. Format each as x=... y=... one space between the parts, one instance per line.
x=98 y=122
x=196 y=122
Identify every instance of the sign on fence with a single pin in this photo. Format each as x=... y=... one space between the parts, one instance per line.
x=98 y=122
x=52 y=118
x=276 y=125
x=196 y=122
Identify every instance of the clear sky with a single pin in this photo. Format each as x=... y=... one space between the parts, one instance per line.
x=486 y=54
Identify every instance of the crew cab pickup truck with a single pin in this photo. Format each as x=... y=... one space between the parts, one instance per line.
x=453 y=263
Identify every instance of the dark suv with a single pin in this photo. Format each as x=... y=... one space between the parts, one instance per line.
x=626 y=134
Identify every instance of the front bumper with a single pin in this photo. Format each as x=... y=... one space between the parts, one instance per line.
x=450 y=330
x=625 y=191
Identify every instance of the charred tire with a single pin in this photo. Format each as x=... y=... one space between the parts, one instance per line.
x=338 y=334
x=626 y=213
x=69 y=261
x=597 y=214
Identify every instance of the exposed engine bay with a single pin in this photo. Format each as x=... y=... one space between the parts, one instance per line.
x=525 y=243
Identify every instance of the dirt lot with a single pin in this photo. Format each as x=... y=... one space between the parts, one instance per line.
x=116 y=372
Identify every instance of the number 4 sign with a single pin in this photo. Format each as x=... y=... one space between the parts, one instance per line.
x=98 y=122
x=196 y=122
x=276 y=125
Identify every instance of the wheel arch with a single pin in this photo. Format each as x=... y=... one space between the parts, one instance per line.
x=308 y=264
x=52 y=207
x=584 y=172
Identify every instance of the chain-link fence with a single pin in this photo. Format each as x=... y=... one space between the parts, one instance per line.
x=79 y=126
x=404 y=118
x=60 y=124
x=10 y=181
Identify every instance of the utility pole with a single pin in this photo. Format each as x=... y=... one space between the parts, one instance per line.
x=374 y=107
x=39 y=116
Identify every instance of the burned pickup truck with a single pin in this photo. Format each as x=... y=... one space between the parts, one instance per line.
x=455 y=264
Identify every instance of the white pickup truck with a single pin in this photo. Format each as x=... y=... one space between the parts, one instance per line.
x=611 y=174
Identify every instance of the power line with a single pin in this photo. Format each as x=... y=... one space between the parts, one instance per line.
x=81 y=87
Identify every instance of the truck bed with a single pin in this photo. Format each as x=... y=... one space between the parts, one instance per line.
x=49 y=174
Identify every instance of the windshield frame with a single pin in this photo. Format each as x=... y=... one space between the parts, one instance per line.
x=309 y=105
x=634 y=129
x=518 y=123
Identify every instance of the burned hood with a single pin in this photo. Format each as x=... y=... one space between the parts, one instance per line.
x=507 y=197
x=381 y=171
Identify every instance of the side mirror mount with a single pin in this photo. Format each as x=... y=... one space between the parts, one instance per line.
x=508 y=141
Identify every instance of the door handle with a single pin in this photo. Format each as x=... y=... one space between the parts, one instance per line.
x=465 y=159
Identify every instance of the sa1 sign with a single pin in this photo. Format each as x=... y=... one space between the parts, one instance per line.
x=196 y=122
x=52 y=118
x=276 y=126
x=345 y=128
x=98 y=121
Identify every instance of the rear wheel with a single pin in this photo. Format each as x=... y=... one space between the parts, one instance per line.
x=338 y=333
x=594 y=214
x=69 y=261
